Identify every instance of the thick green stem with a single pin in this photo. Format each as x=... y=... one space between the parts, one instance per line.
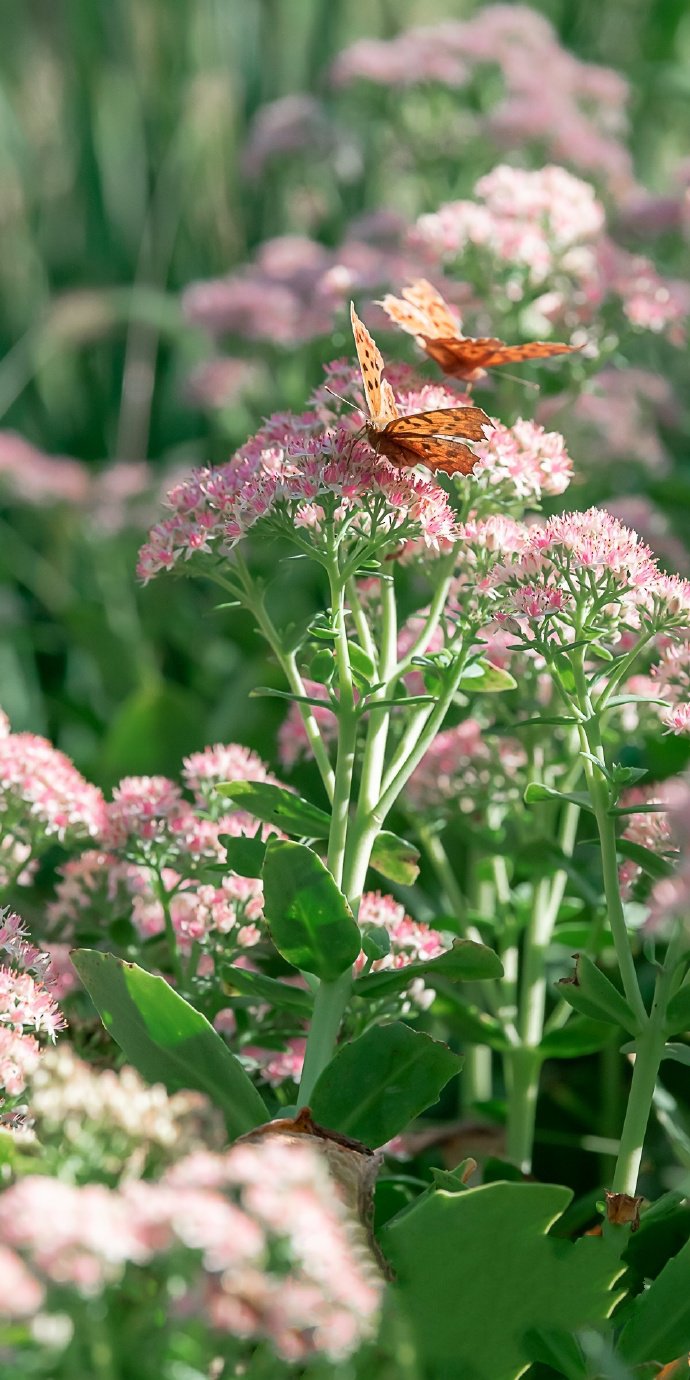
x=331 y=998
x=524 y=1063
x=600 y=797
x=330 y=1003
x=649 y=1048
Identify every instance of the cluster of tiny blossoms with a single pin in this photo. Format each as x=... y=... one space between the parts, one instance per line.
x=670 y=679
x=574 y=109
x=43 y=799
x=156 y=848
x=28 y=1009
x=294 y=477
x=258 y=1239
x=648 y=829
x=463 y=769
x=588 y=563
x=670 y=898
x=543 y=232
x=109 y=1122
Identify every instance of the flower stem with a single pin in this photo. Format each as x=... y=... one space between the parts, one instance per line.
x=648 y=1056
x=331 y=998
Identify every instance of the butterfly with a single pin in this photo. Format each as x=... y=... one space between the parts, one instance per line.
x=422 y=312
x=435 y=439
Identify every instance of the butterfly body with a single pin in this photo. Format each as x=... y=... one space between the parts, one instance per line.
x=422 y=312
x=435 y=438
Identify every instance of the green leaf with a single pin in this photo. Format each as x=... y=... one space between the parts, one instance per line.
x=268 y=989
x=465 y=961
x=654 y=864
x=559 y=1351
x=679 y=1053
x=536 y=793
x=275 y=805
x=310 y=920
x=378 y=1083
x=482 y=677
x=469 y=1020
x=658 y=1325
x=590 y=992
x=678 y=1011
x=579 y=1036
x=395 y=858
x=166 y=1040
x=244 y=856
x=477 y=1274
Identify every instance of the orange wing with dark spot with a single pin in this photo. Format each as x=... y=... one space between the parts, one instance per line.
x=434 y=439
x=460 y=357
x=422 y=311
x=379 y=394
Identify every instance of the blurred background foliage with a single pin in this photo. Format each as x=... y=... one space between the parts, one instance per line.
x=123 y=178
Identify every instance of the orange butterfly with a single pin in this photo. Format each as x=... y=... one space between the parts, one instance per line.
x=433 y=438
x=423 y=313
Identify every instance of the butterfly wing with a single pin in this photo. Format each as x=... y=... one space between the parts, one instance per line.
x=378 y=392
x=435 y=439
x=460 y=358
x=421 y=311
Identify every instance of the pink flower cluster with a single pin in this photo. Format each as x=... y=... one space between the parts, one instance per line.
x=109 y=1122
x=411 y=941
x=295 y=287
x=670 y=898
x=291 y=476
x=43 y=798
x=670 y=682
x=543 y=232
x=587 y=556
x=221 y=1223
x=463 y=769
x=574 y=109
x=524 y=462
x=531 y=221
x=649 y=829
x=27 y=1005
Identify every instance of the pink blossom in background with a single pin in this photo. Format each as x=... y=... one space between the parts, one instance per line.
x=293 y=744
x=21 y=1294
x=294 y=289
x=203 y=771
x=617 y=415
x=574 y=109
x=42 y=798
x=277 y=1066
x=292 y=124
x=531 y=460
x=649 y=829
x=222 y=381
x=34 y=477
x=670 y=898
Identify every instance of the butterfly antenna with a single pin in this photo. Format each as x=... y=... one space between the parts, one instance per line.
x=340 y=398
x=526 y=383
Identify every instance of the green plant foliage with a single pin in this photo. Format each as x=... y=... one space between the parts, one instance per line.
x=278 y=806
x=466 y=961
x=658 y=1324
x=477 y=1272
x=166 y=1039
x=591 y=993
x=376 y=1084
x=395 y=859
x=310 y=921
x=265 y=988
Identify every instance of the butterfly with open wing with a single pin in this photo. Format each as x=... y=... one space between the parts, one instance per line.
x=423 y=313
x=435 y=439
